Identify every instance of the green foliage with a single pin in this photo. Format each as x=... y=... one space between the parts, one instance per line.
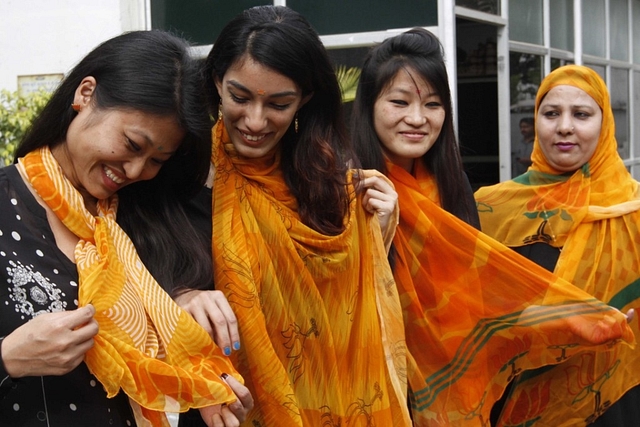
x=16 y=114
x=348 y=79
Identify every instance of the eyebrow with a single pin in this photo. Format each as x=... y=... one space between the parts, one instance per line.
x=402 y=90
x=273 y=95
x=572 y=106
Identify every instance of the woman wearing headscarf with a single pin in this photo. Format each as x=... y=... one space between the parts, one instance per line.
x=575 y=212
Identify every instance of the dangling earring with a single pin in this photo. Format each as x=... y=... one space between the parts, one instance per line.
x=295 y=123
x=76 y=107
x=220 y=110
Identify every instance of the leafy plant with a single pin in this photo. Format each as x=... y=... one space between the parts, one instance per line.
x=348 y=79
x=16 y=114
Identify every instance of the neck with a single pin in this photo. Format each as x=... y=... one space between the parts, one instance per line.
x=61 y=154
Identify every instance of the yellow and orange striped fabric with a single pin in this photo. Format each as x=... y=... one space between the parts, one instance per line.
x=476 y=313
x=319 y=316
x=147 y=346
x=593 y=216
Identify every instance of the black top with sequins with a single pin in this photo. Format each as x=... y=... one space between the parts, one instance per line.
x=36 y=278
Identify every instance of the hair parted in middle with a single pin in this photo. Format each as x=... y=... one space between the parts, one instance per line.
x=315 y=159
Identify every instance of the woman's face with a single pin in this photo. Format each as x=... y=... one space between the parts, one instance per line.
x=568 y=126
x=258 y=106
x=408 y=118
x=106 y=150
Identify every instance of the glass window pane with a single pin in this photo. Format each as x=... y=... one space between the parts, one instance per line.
x=555 y=63
x=593 y=28
x=525 y=21
x=339 y=16
x=598 y=69
x=488 y=6
x=199 y=21
x=619 y=18
x=620 y=104
x=561 y=26
x=636 y=31
x=526 y=75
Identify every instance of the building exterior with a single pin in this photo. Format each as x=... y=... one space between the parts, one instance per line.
x=497 y=51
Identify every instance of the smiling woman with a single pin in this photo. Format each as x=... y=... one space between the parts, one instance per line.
x=576 y=212
x=88 y=337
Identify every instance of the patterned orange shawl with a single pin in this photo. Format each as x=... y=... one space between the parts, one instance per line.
x=321 y=325
x=477 y=313
x=147 y=346
x=593 y=216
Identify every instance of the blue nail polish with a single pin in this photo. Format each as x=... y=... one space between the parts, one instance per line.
x=236 y=345
x=227 y=351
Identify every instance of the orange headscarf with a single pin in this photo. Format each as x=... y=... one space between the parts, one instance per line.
x=319 y=316
x=592 y=214
x=147 y=346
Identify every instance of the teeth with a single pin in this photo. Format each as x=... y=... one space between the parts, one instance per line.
x=112 y=176
x=253 y=137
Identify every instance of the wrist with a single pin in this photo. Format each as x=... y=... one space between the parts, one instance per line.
x=6 y=381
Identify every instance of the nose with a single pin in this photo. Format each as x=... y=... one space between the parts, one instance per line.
x=254 y=118
x=137 y=169
x=415 y=116
x=565 y=124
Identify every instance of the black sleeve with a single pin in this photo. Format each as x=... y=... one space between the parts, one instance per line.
x=6 y=382
x=470 y=204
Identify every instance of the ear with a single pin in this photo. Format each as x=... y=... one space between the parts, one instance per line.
x=84 y=91
x=305 y=100
x=218 y=87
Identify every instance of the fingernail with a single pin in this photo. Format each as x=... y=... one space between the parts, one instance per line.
x=224 y=376
x=236 y=345
x=227 y=351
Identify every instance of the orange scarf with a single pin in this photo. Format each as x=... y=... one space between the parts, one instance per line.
x=147 y=346
x=319 y=316
x=476 y=313
x=593 y=216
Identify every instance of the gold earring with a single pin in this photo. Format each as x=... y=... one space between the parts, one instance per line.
x=295 y=123
x=76 y=107
x=220 y=110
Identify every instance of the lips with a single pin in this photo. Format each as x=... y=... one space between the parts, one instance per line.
x=565 y=146
x=112 y=175
x=413 y=135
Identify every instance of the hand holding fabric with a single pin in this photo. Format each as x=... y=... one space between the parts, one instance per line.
x=380 y=198
x=212 y=311
x=50 y=344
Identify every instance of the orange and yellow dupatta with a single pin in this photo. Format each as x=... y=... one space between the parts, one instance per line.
x=476 y=313
x=147 y=346
x=593 y=216
x=319 y=316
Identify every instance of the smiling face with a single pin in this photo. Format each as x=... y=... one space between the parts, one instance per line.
x=408 y=117
x=106 y=150
x=568 y=127
x=258 y=106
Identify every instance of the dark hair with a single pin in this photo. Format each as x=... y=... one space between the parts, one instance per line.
x=314 y=160
x=419 y=50
x=527 y=120
x=152 y=72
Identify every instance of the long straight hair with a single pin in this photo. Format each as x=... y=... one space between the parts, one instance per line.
x=151 y=72
x=314 y=160
x=421 y=51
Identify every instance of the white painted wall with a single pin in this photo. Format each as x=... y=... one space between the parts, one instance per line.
x=51 y=36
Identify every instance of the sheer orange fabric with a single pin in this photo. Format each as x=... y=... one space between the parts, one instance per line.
x=476 y=313
x=593 y=216
x=319 y=316
x=147 y=346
